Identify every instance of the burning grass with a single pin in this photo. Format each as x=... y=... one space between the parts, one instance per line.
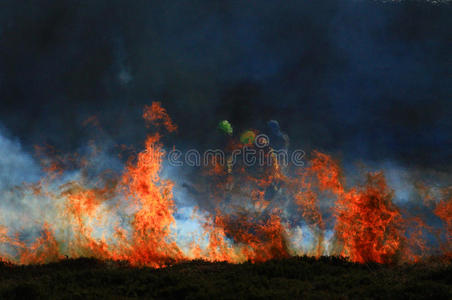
x=255 y=213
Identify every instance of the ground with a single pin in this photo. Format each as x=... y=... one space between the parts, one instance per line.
x=292 y=278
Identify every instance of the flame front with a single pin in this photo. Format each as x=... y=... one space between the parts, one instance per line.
x=132 y=216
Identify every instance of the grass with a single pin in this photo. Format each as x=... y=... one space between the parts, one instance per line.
x=292 y=278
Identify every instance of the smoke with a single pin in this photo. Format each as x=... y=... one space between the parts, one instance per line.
x=362 y=80
x=31 y=200
x=147 y=211
x=20 y=211
x=362 y=77
x=16 y=166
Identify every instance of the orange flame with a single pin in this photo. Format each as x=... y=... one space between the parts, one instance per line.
x=368 y=223
x=253 y=212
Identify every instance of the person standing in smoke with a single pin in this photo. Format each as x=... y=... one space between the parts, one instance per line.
x=267 y=145
x=278 y=142
x=278 y=139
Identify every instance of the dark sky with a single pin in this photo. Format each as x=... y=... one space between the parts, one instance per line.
x=366 y=79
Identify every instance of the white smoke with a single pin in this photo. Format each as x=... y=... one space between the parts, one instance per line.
x=16 y=166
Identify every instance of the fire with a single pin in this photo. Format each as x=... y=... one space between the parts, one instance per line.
x=368 y=223
x=152 y=243
x=253 y=212
x=444 y=211
x=157 y=115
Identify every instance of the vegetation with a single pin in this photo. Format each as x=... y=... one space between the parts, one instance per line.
x=296 y=277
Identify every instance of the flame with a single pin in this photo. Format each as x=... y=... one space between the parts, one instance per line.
x=444 y=211
x=254 y=212
x=152 y=243
x=157 y=115
x=368 y=223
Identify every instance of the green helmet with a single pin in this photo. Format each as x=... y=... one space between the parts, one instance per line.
x=247 y=137
x=225 y=127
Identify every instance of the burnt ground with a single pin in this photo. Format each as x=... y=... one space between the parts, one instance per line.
x=292 y=278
